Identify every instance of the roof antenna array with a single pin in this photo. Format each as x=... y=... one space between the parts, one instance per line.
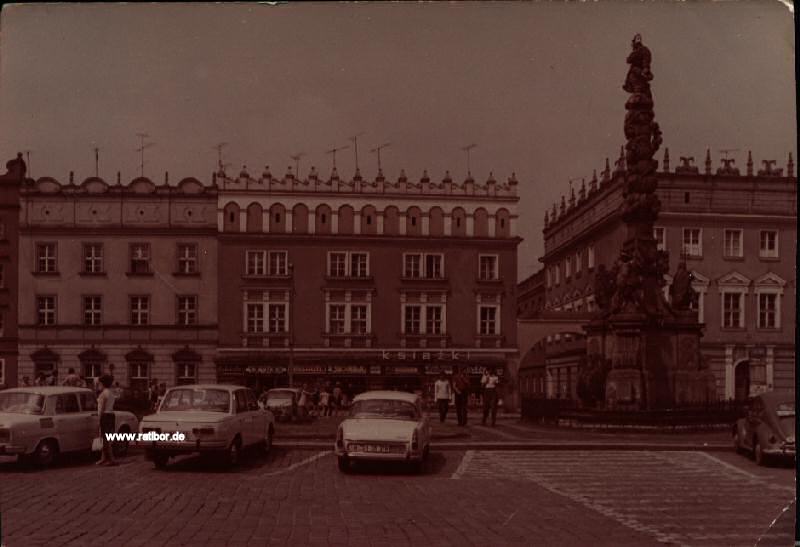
x=467 y=150
x=142 y=147
x=377 y=150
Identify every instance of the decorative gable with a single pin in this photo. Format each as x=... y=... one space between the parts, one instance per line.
x=733 y=279
x=699 y=279
x=770 y=279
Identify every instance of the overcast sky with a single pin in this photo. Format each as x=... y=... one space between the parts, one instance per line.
x=536 y=86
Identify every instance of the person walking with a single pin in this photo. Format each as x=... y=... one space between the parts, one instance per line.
x=461 y=390
x=489 y=383
x=72 y=379
x=442 y=393
x=105 y=407
x=325 y=401
x=337 y=398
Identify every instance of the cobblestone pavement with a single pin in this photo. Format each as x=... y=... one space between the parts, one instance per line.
x=292 y=497
x=681 y=498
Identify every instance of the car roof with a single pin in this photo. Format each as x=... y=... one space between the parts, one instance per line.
x=226 y=387
x=48 y=390
x=279 y=389
x=391 y=395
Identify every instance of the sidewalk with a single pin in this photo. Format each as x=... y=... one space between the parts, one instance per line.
x=510 y=433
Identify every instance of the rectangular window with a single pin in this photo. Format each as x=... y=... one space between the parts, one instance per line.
x=590 y=257
x=660 y=235
x=187 y=310
x=256 y=262
x=768 y=247
x=140 y=258
x=92 y=310
x=359 y=265
x=412 y=319
x=336 y=318
x=46 y=310
x=732 y=313
x=140 y=310
x=433 y=266
x=578 y=263
x=93 y=258
x=557 y=269
x=358 y=319
x=187 y=258
x=412 y=268
x=278 y=263
x=46 y=258
x=255 y=317
x=767 y=311
x=185 y=373
x=549 y=280
x=568 y=267
x=487 y=269
x=337 y=264
x=488 y=320
x=423 y=266
x=692 y=242
x=277 y=318
x=733 y=244
x=433 y=319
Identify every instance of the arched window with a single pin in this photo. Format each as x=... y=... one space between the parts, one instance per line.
x=345 y=224
x=323 y=220
x=277 y=218
x=481 y=222
x=458 y=220
x=391 y=221
x=300 y=219
x=369 y=220
x=231 y=220
x=502 y=227
x=436 y=221
x=413 y=221
x=255 y=218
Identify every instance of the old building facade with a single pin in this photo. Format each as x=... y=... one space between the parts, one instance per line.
x=371 y=284
x=119 y=278
x=737 y=234
x=10 y=184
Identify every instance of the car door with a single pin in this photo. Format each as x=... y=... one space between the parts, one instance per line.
x=243 y=419
x=70 y=425
x=90 y=415
x=425 y=427
x=258 y=416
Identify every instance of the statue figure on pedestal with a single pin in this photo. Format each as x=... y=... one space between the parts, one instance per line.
x=681 y=292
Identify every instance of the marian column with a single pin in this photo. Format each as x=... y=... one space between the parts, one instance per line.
x=652 y=347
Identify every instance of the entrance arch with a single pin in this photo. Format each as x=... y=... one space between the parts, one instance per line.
x=741 y=375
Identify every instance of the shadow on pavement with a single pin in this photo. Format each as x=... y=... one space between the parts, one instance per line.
x=251 y=459
x=435 y=464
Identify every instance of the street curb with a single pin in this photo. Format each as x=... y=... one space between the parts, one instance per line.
x=539 y=446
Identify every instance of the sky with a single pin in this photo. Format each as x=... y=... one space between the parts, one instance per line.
x=536 y=86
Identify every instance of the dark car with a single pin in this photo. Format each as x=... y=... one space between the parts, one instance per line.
x=282 y=402
x=767 y=431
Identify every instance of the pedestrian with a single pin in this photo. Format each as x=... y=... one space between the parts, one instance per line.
x=41 y=380
x=105 y=407
x=72 y=379
x=162 y=390
x=337 y=397
x=325 y=401
x=489 y=382
x=461 y=390
x=26 y=381
x=302 y=402
x=152 y=394
x=442 y=393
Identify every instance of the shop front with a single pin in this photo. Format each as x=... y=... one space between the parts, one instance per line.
x=356 y=372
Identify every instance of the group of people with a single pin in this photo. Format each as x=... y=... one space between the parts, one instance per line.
x=72 y=379
x=457 y=388
x=322 y=398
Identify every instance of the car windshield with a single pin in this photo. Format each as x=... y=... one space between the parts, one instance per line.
x=212 y=400
x=279 y=397
x=21 y=403
x=384 y=408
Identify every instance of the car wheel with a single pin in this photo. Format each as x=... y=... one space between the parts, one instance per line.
x=758 y=454
x=234 y=454
x=120 y=448
x=160 y=460
x=737 y=445
x=344 y=464
x=267 y=445
x=45 y=453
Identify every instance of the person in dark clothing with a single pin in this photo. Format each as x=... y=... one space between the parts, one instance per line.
x=461 y=390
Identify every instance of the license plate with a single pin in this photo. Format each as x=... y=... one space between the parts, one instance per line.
x=373 y=448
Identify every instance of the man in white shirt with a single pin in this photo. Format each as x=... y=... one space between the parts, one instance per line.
x=489 y=382
x=442 y=393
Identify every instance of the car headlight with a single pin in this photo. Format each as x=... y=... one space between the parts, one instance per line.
x=201 y=431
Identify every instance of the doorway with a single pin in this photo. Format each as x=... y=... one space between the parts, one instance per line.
x=742 y=381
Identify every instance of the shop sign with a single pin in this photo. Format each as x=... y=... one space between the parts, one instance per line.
x=438 y=369
x=347 y=369
x=402 y=370
x=416 y=355
x=308 y=369
x=478 y=369
x=374 y=369
x=265 y=369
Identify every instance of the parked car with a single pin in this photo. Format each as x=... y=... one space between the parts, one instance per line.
x=384 y=426
x=216 y=419
x=134 y=401
x=39 y=423
x=767 y=431
x=282 y=402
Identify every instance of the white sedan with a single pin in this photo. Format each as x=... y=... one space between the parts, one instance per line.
x=384 y=426
x=38 y=423
x=209 y=418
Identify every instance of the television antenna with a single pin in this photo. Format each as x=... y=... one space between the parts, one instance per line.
x=377 y=150
x=218 y=147
x=142 y=147
x=296 y=159
x=96 y=161
x=333 y=151
x=354 y=140
x=726 y=151
x=28 y=161
x=467 y=150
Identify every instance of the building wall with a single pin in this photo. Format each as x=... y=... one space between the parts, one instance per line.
x=712 y=203
x=9 y=282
